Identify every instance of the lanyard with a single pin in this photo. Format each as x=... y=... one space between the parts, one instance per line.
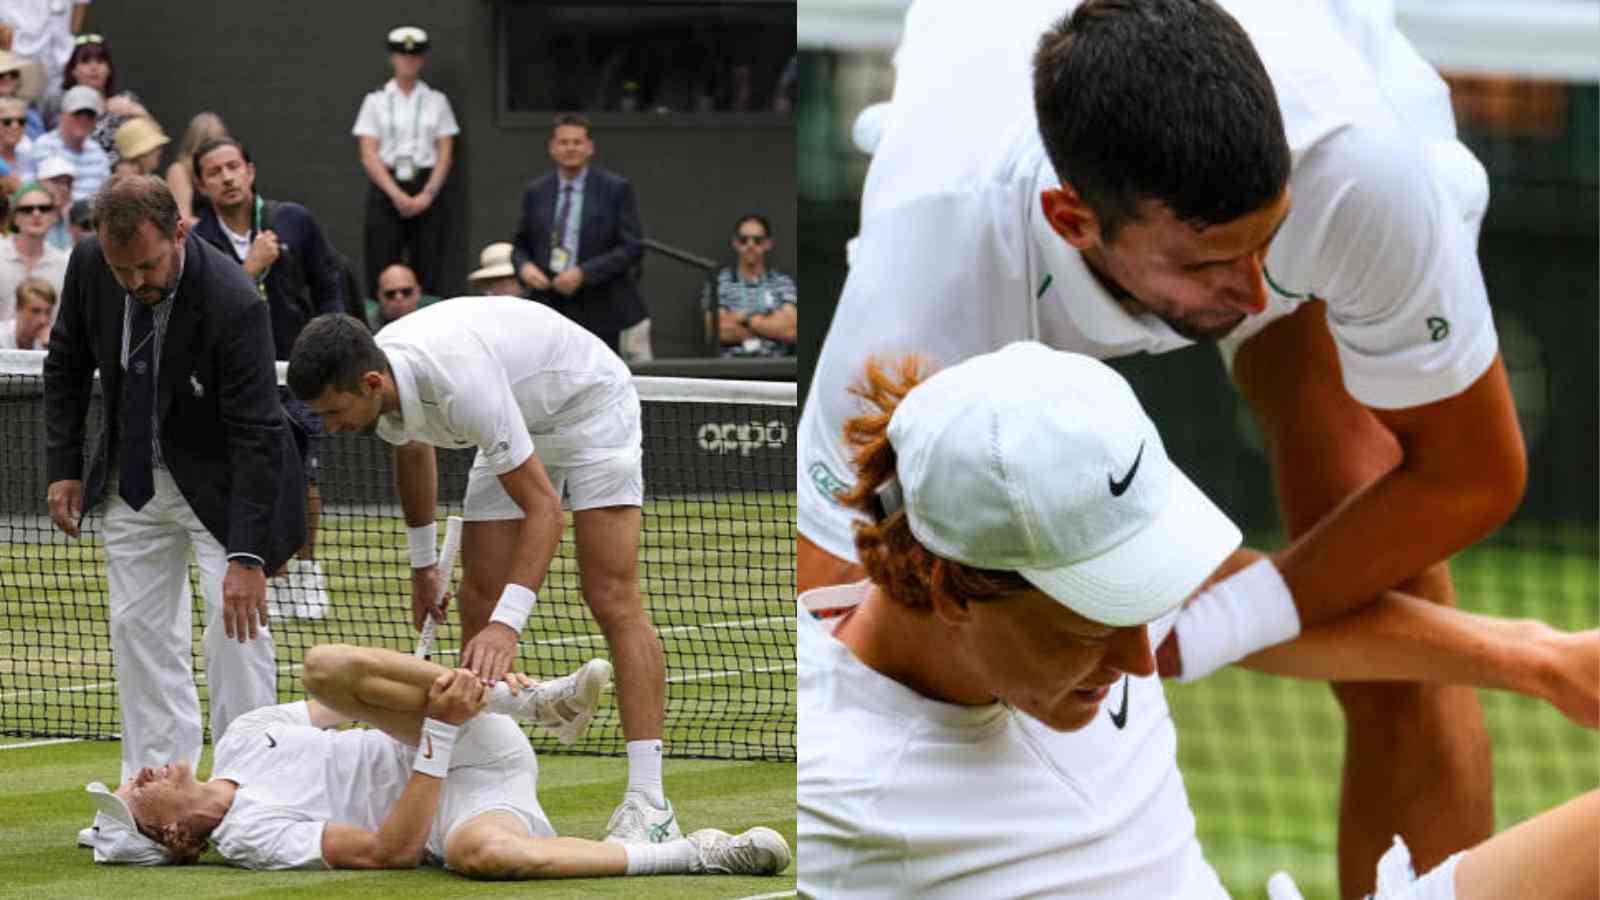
x=416 y=122
x=261 y=280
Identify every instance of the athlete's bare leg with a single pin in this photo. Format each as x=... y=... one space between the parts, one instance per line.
x=1417 y=759
x=816 y=567
x=1550 y=856
x=382 y=688
x=497 y=845
x=608 y=568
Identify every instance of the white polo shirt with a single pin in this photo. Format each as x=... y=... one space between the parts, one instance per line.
x=496 y=373
x=954 y=258
x=406 y=125
x=902 y=796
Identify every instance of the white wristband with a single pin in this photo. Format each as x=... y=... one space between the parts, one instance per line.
x=438 y=739
x=516 y=604
x=1249 y=610
x=421 y=545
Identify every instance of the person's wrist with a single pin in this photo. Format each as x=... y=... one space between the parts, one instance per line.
x=434 y=747
x=516 y=604
x=246 y=563
x=421 y=545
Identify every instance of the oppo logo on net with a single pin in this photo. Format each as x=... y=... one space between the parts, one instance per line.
x=742 y=438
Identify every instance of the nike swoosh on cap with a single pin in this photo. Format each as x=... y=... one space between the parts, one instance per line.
x=1118 y=488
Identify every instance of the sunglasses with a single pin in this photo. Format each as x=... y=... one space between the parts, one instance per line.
x=10 y=74
x=82 y=39
x=397 y=293
x=8 y=120
x=40 y=208
x=750 y=238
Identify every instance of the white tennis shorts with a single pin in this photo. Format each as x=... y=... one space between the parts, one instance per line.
x=492 y=769
x=594 y=463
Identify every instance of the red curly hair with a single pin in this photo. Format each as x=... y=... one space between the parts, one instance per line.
x=895 y=561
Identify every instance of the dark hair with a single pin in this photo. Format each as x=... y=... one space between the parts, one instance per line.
x=1160 y=100
x=81 y=214
x=753 y=217
x=333 y=350
x=894 y=559
x=211 y=144
x=128 y=200
x=89 y=51
x=571 y=119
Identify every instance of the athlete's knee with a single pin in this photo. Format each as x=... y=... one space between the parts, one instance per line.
x=495 y=855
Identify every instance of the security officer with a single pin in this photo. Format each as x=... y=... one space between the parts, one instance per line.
x=406 y=131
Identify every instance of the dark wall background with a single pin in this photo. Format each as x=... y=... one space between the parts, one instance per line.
x=288 y=78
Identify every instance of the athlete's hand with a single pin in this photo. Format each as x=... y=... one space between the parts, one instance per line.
x=455 y=696
x=568 y=282
x=489 y=655
x=66 y=504
x=533 y=277
x=518 y=682
x=264 y=251
x=244 y=601
x=425 y=599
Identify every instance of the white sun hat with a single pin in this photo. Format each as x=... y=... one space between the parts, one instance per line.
x=1043 y=462
x=117 y=839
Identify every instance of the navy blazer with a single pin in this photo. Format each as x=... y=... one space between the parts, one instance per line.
x=609 y=249
x=224 y=436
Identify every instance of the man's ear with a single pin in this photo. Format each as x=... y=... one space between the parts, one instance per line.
x=372 y=380
x=1070 y=217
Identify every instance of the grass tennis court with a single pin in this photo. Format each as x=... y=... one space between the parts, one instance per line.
x=1261 y=756
x=43 y=804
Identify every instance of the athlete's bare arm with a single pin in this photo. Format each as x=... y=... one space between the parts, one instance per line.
x=416 y=480
x=453 y=698
x=491 y=651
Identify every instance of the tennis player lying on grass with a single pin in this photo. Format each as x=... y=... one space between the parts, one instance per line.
x=445 y=776
x=1027 y=548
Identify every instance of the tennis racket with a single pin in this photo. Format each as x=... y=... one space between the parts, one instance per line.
x=447 y=567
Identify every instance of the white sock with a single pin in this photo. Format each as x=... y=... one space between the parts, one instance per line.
x=673 y=857
x=644 y=771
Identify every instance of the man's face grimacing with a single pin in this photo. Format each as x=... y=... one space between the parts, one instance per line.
x=160 y=797
x=146 y=266
x=356 y=411
x=570 y=147
x=1203 y=282
x=225 y=178
x=1044 y=659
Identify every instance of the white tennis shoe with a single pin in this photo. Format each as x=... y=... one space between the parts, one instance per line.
x=638 y=821
x=565 y=706
x=759 y=851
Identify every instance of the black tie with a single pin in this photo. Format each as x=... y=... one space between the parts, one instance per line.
x=136 y=483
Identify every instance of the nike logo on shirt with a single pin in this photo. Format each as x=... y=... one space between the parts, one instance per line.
x=1120 y=717
x=270 y=741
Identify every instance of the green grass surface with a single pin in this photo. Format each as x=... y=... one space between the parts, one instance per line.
x=1261 y=756
x=42 y=805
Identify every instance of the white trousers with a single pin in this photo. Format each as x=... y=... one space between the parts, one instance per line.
x=147 y=566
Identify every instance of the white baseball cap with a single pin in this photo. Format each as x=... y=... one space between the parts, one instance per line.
x=1043 y=462
x=117 y=839
x=55 y=167
x=81 y=98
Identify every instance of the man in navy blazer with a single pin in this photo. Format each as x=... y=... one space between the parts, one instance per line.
x=579 y=238
x=194 y=453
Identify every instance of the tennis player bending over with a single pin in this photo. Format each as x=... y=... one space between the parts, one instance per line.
x=1026 y=549
x=447 y=777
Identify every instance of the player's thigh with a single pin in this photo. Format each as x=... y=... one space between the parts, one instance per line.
x=1323 y=445
x=607 y=539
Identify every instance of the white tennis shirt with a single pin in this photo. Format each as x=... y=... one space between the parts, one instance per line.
x=486 y=372
x=406 y=125
x=954 y=258
x=293 y=779
x=902 y=796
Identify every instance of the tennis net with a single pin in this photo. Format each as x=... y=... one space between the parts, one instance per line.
x=716 y=571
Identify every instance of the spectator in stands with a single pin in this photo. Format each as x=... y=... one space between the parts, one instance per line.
x=282 y=248
x=203 y=127
x=12 y=143
x=30 y=330
x=80 y=224
x=44 y=32
x=23 y=79
x=495 y=275
x=399 y=294
x=406 y=131
x=90 y=65
x=755 y=306
x=70 y=139
x=580 y=236
x=56 y=175
x=25 y=254
x=139 y=141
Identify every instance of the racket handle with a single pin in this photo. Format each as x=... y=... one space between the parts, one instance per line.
x=447 y=566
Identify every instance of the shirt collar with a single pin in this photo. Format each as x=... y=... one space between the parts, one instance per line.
x=393 y=87
x=409 y=420
x=577 y=181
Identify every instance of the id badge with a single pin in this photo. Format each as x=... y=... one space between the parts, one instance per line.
x=57 y=7
x=404 y=169
x=560 y=258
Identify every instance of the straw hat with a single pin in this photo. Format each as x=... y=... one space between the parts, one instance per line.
x=139 y=136
x=32 y=74
x=495 y=261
